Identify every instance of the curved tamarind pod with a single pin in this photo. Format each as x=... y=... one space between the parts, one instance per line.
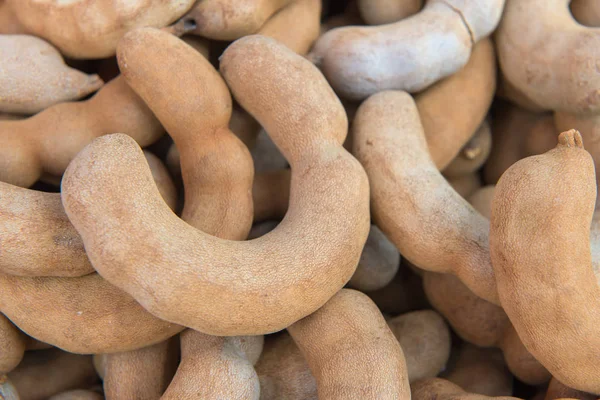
x=80 y=315
x=226 y=294
x=283 y=371
x=546 y=283
x=481 y=371
x=378 y=263
x=412 y=203
x=91 y=29
x=12 y=345
x=483 y=324
x=556 y=390
x=232 y=19
x=560 y=75
x=30 y=216
x=351 y=351
x=472 y=155
x=381 y=12
x=7 y=389
x=140 y=374
x=586 y=12
x=48 y=141
x=77 y=394
x=213 y=368
x=34 y=76
x=442 y=389
x=453 y=109
x=425 y=341
x=361 y=61
x=45 y=373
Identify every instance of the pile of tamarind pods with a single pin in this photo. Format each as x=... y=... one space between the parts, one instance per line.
x=299 y=199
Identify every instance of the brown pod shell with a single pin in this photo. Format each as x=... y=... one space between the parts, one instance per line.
x=12 y=345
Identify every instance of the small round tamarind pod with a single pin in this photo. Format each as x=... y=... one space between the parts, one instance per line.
x=380 y=12
x=222 y=300
x=561 y=77
x=296 y=25
x=482 y=324
x=442 y=389
x=586 y=12
x=30 y=216
x=556 y=390
x=454 y=108
x=351 y=351
x=45 y=373
x=213 y=368
x=12 y=345
x=283 y=372
x=34 y=76
x=361 y=61
x=48 y=141
x=78 y=394
x=378 y=263
x=545 y=281
x=7 y=389
x=481 y=371
x=425 y=341
x=140 y=374
x=232 y=19
x=212 y=157
x=407 y=190
x=516 y=134
x=81 y=315
x=472 y=155
x=481 y=200
x=90 y=29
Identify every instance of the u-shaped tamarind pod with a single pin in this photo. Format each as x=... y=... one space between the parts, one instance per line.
x=48 y=141
x=231 y=19
x=12 y=345
x=361 y=61
x=224 y=282
x=586 y=12
x=540 y=247
x=411 y=201
x=34 y=76
x=30 y=216
x=351 y=351
x=90 y=29
x=381 y=12
x=442 y=389
x=559 y=75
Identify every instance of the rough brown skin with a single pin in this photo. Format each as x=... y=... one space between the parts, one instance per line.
x=92 y=29
x=481 y=371
x=34 y=76
x=454 y=108
x=516 y=134
x=361 y=61
x=547 y=284
x=214 y=368
x=351 y=351
x=556 y=390
x=226 y=295
x=232 y=19
x=283 y=372
x=141 y=374
x=37 y=145
x=30 y=216
x=425 y=341
x=378 y=263
x=472 y=155
x=441 y=389
x=45 y=373
x=549 y=57
x=412 y=203
x=78 y=394
x=381 y=12
x=7 y=389
x=586 y=12
x=483 y=324
x=214 y=160
x=9 y=25
x=12 y=345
